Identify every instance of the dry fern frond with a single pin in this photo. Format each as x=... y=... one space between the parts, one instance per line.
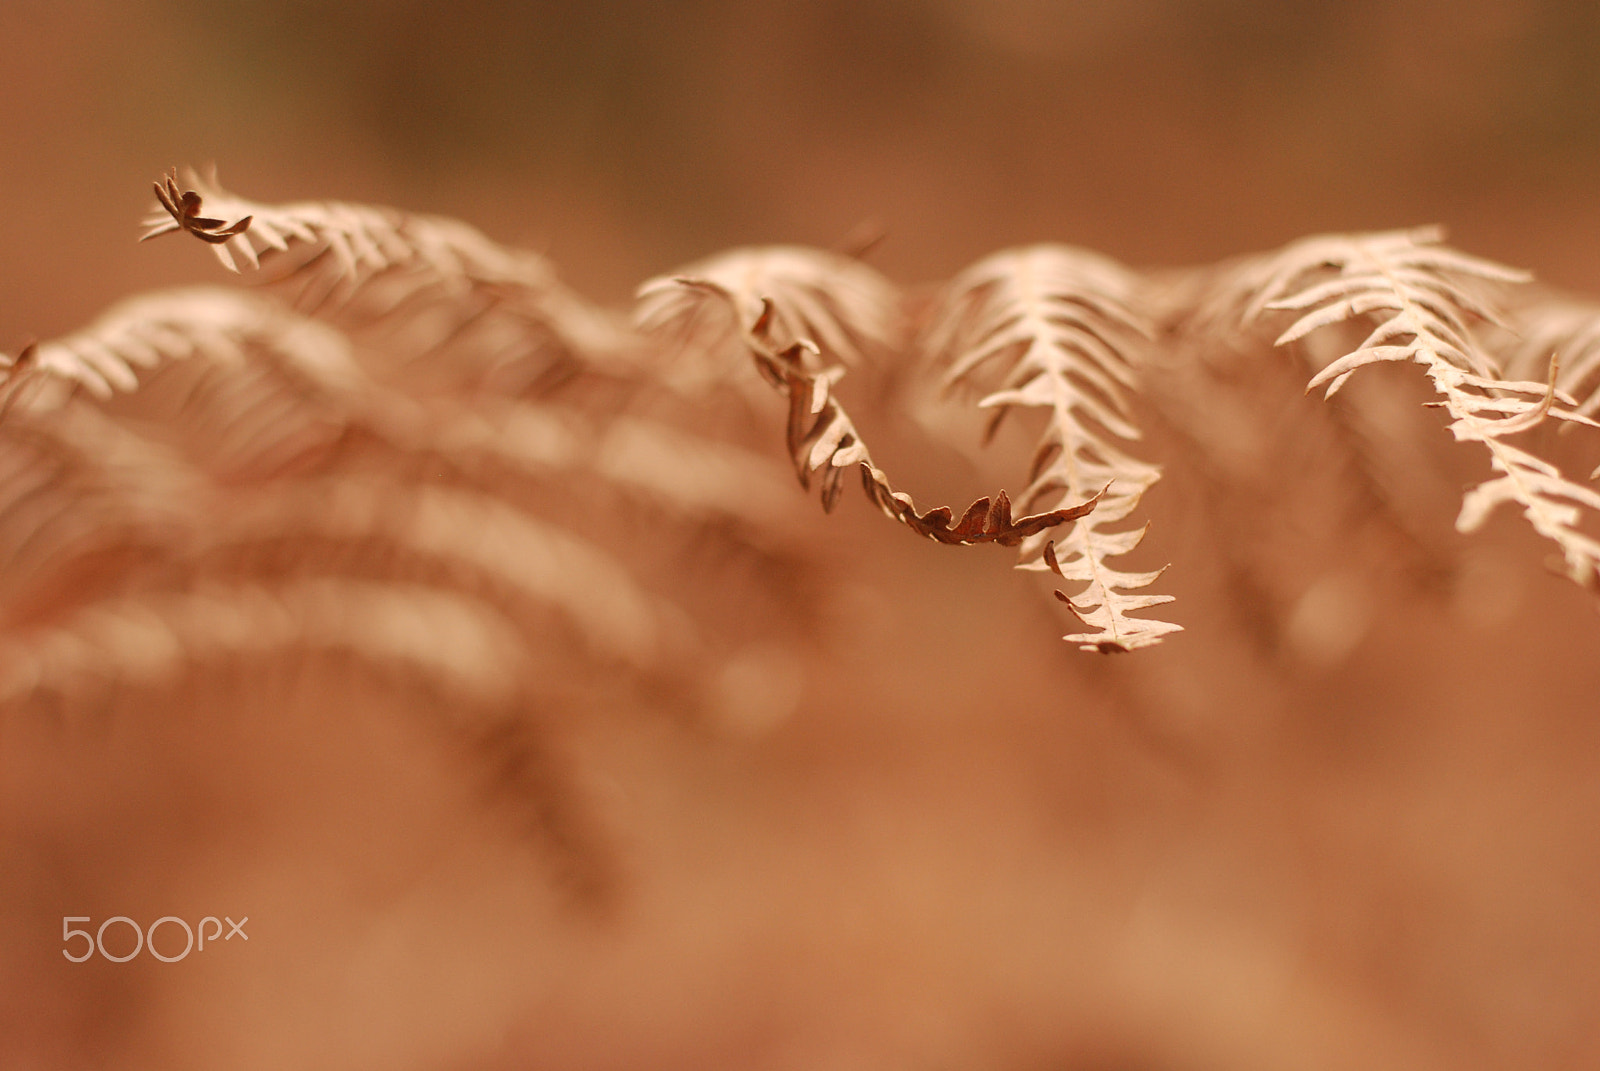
x=822 y=438
x=849 y=310
x=245 y=387
x=151 y=638
x=437 y=277
x=238 y=412
x=464 y=659
x=1422 y=296
x=1564 y=330
x=518 y=560
x=652 y=461
x=206 y=323
x=81 y=497
x=1055 y=328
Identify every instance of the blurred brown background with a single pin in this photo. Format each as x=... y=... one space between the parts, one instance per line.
x=966 y=848
x=624 y=139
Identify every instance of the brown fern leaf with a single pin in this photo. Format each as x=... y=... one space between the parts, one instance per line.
x=184 y=208
x=822 y=438
x=433 y=282
x=347 y=514
x=1056 y=328
x=1424 y=299
x=849 y=310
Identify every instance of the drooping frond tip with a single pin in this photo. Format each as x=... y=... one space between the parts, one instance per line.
x=184 y=208
x=822 y=438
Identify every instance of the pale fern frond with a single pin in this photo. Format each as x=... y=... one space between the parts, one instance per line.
x=242 y=385
x=432 y=279
x=270 y=383
x=1058 y=330
x=81 y=498
x=151 y=639
x=1565 y=330
x=475 y=542
x=848 y=310
x=211 y=324
x=1424 y=299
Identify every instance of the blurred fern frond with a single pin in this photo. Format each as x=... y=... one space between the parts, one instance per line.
x=418 y=286
x=835 y=302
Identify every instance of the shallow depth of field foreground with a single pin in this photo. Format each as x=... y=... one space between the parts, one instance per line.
x=606 y=611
